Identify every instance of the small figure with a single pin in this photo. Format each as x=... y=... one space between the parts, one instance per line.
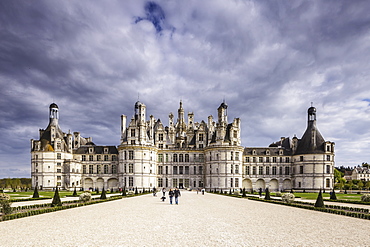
x=171 y=194
x=177 y=194
x=203 y=190
x=164 y=194
x=154 y=191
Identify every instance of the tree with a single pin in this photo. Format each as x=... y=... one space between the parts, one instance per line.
x=319 y=201
x=136 y=192
x=36 y=192
x=103 y=194
x=337 y=175
x=75 y=192
x=333 y=196
x=267 y=194
x=367 y=185
x=350 y=185
x=360 y=185
x=56 y=199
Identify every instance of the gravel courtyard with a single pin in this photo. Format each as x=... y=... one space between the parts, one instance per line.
x=209 y=220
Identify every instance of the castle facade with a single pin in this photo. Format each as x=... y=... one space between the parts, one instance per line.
x=184 y=154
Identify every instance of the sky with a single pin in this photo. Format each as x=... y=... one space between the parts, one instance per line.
x=268 y=60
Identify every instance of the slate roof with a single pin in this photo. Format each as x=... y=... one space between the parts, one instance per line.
x=305 y=145
x=97 y=150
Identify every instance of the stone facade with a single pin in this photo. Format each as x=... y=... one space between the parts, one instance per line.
x=184 y=154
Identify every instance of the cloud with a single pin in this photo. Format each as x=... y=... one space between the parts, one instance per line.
x=268 y=60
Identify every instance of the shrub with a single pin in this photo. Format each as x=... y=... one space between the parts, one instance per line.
x=278 y=194
x=5 y=204
x=267 y=194
x=75 y=192
x=36 y=193
x=103 y=194
x=288 y=197
x=333 y=196
x=319 y=202
x=85 y=197
x=130 y=193
x=236 y=193
x=365 y=198
x=56 y=199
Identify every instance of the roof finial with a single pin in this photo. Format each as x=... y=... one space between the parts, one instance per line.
x=311 y=104
x=138 y=96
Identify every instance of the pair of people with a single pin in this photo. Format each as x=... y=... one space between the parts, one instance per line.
x=174 y=193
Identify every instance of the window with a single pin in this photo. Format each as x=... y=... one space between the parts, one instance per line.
x=267 y=170
x=280 y=170
x=181 y=170
x=166 y=169
x=200 y=145
x=327 y=168
x=301 y=158
x=260 y=170
x=160 y=182
x=200 y=170
x=260 y=159
x=84 y=169
x=231 y=182
x=237 y=170
x=232 y=156
x=160 y=145
x=175 y=158
x=235 y=134
x=160 y=169
x=114 y=169
x=254 y=170
x=274 y=159
x=267 y=159
x=246 y=159
x=287 y=170
x=299 y=184
x=287 y=160
x=247 y=170
x=174 y=182
x=195 y=170
x=200 y=137
x=98 y=158
x=186 y=157
x=91 y=169
x=91 y=158
x=160 y=137
x=274 y=170
x=130 y=155
x=160 y=157
x=175 y=170
x=59 y=156
x=105 y=169
x=328 y=148
x=59 y=170
x=114 y=157
x=132 y=133
x=254 y=159
x=98 y=169
x=327 y=157
x=106 y=158
x=195 y=158
x=201 y=158
x=133 y=142
x=327 y=182
x=301 y=169
x=131 y=181
x=236 y=182
x=181 y=158
x=59 y=164
x=83 y=158
x=281 y=159
x=186 y=169
x=130 y=168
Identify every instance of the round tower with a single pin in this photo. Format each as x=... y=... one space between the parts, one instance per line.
x=53 y=114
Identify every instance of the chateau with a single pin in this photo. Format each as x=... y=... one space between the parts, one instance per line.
x=184 y=154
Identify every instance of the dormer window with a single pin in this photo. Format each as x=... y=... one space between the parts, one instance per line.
x=254 y=152
x=267 y=152
x=280 y=152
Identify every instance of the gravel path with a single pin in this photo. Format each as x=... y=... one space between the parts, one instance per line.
x=209 y=220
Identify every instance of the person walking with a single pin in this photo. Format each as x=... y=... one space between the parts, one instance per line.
x=154 y=191
x=163 y=194
x=177 y=194
x=171 y=194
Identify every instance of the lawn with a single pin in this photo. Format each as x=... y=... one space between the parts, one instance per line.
x=340 y=196
x=47 y=194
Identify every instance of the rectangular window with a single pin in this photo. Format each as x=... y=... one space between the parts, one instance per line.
x=260 y=159
x=106 y=158
x=160 y=182
x=186 y=169
x=287 y=160
x=130 y=168
x=58 y=164
x=181 y=158
x=166 y=169
x=236 y=155
x=91 y=158
x=327 y=168
x=181 y=170
x=301 y=169
x=281 y=170
x=231 y=156
x=98 y=169
x=254 y=170
x=130 y=155
x=160 y=137
x=174 y=182
x=301 y=158
x=237 y=182
x=237 y=169
x=231 y=182
x=201 y=158
x=114 y=169
x=83 y=158
x=267 y=159
x=195 y=170
x=175 y=170
x=98 y=158
x=254 y=159
x=327 y=157
x=274 y=159
x=287 y=170
x=84 y=169
x=267 y=170
x=59 y=170
x=160 y=145
x=114 y=157
x=59 y=177
x=59 y=156
x=160 y=157
x=175 y=158
x=106 y=169
x=246 y=159
x=160 y=169
x=132 y=133
x=274 y=170
x=91 y=169
x=186 y=157
x=130 y=181
x=235 y=134
x=260 y=170
x=232 y=169
x=186 y=183
x=200 y=170
x=247 y=170
x=200 y=137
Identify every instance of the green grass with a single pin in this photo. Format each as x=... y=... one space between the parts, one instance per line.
x=48 y=194
x=340 y=196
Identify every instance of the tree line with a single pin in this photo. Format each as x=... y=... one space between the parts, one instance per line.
x=15 y=183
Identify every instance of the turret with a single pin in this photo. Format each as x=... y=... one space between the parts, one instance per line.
x=222 y=113
x=53 y=114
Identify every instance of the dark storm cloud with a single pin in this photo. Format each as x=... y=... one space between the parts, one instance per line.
x=267 y=59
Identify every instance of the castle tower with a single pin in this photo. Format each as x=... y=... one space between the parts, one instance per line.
x=53 y=114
